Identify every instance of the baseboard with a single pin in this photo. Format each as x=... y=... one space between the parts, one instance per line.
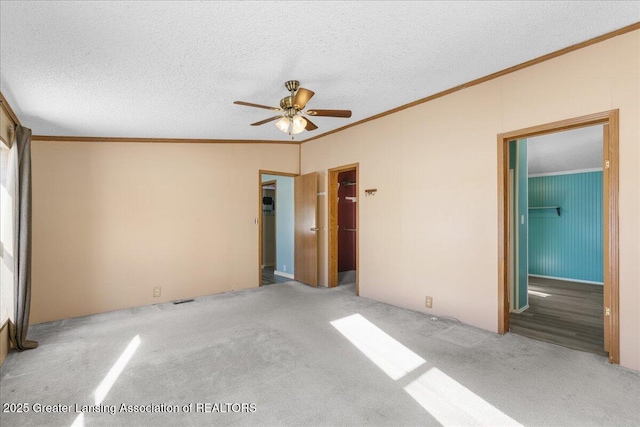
x=520 y=310
x=566 y=279
x=268 y=266
x=283 y=274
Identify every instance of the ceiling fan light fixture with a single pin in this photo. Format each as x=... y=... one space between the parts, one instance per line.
x=283 y=124
x=292 y=125
x=299 y=124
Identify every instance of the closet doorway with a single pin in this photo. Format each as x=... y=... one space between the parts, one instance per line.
x=343 y=227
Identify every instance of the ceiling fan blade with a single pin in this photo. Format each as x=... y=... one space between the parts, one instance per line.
x=249 y=104
x=302 y=97
x=261 y=122
x=330 y=113
x=310 y=125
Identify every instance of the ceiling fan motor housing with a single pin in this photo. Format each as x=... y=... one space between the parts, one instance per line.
x=287 y=106
x=292 y=85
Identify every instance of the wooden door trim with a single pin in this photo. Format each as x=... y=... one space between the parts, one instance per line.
x=332 y=200
x=605 y=202
x=260 y=183
x=610 y=222
x=269 y=172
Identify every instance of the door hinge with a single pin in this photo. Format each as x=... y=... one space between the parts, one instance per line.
x=607 y=311
x=606 y=164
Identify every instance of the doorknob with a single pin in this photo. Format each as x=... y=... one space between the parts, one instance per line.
x=314 y=229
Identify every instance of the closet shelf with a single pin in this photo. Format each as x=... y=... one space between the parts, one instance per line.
x=557 y=208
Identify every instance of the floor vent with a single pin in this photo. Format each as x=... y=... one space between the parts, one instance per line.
x=182 y=301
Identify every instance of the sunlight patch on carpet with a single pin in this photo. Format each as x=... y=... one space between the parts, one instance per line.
x=452 y=404
x=79 y=421
x=393 y=358
x=116 y=370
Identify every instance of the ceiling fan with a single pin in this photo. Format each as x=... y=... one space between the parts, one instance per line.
x=291 y=108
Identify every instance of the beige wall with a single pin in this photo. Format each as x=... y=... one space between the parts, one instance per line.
x=431 y=229
x=113 y=220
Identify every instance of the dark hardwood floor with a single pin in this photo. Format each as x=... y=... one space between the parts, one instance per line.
x=564 y=313
x=268 y=278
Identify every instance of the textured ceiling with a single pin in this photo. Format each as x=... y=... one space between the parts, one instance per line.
x=566 y=151
x=173 y=69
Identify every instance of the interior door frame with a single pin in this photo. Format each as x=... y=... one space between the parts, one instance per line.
x=332 y=198
x=259 y=217
x=610 y=220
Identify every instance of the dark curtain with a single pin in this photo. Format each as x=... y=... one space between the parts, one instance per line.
x=22 y=277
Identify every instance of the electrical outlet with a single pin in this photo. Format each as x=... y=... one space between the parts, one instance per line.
x=156 y=291
x=428 y=302
x=284 y=267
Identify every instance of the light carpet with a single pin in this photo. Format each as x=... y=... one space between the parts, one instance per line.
x=296 y=355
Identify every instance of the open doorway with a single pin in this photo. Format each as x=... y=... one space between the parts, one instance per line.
x=269 y=245
x=343 y=227
x=276 y=235
x=550 y=233
x=556 y=288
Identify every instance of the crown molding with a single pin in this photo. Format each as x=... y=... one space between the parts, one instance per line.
x=49 y=138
